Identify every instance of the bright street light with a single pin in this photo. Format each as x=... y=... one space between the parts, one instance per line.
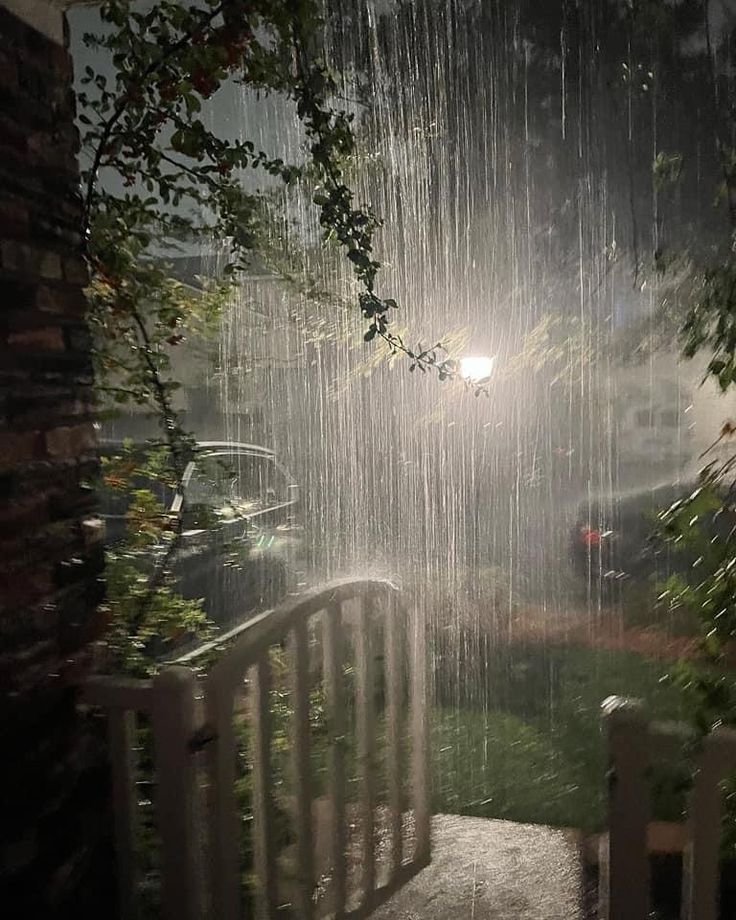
x=476 y=370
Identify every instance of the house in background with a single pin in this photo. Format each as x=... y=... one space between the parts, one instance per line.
x=667 y=416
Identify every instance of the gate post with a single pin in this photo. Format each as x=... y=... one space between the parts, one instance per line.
x=173 y=728
x=624 y=874
x=420 y=702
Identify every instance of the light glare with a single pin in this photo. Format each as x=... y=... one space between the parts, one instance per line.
x=476 y=369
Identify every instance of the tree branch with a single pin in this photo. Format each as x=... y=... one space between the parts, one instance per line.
x=123 y=103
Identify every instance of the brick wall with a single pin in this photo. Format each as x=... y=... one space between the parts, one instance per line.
x=52 y=780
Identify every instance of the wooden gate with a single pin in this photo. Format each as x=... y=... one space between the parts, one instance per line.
x=633 y=743
x=315 y=720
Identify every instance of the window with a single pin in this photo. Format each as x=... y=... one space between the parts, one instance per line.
x=233 y=484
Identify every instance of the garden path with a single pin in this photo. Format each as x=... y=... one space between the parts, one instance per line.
x=494 y=870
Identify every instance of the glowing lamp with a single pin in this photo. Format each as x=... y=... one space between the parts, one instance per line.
x=476 y=370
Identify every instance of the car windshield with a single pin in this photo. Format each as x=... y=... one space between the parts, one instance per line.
x=233 y=484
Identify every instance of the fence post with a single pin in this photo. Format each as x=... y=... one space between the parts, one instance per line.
x=394 y=633
x=334 y=654
x=263 y=822
x=121 y=726
x=420 y=735
x=223 y=819
x=701 y=859
x=301 y=766
x=624 y=891
x=366 y=728
x=173 y=728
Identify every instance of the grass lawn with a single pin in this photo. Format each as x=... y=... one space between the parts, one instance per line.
x=535 y=750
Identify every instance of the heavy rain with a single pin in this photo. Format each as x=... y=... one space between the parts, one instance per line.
x=547 y=178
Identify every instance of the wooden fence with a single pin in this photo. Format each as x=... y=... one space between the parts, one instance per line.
x=633 y=743
x=354 y=645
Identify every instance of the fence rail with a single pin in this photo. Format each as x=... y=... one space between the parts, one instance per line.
x=196 y=749
x=633 y=742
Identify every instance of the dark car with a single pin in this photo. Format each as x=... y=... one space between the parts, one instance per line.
x=616 y=539
x=240 y=546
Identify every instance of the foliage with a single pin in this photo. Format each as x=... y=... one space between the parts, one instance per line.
x=711 y=323
x=124 y=375
x=708 y=592
x=180 y=179
x=530 y=748
x=146 y=616
x=557 y=345
x=140 y=632
x=700 y=528
x=157 y=177
x=483 y=756
x=644 y=605
x=703 y=527
x=280 y=713
x=667 y=169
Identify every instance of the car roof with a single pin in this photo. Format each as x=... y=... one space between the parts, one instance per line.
x=230 y=446
x=237 y=446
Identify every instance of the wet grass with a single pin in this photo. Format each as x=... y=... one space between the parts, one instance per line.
x=496 y=765
x=529 y=746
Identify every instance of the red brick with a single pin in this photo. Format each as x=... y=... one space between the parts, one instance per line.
x=76 y=271
x=15 y=256
x=61 y=300
x=14 y=216
x=61 y=63
x=70 y=441
x=17 y=516
x=48 y=338
x=50 y=265
x=13 y=136
x=18 y=295
x=18 y=588
x=39 y=147
x=45 y=414
x=51 y=607
x=23 y=258
x=8 y=70
x=18 y=448
x=55 y=231
x=49 y=544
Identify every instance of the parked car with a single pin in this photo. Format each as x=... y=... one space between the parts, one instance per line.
x=241 y=544
x=615 y=539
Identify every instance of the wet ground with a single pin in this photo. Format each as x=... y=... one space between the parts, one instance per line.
x=494 y=870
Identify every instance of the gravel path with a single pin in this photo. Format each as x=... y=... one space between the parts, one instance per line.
x=493 y=870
